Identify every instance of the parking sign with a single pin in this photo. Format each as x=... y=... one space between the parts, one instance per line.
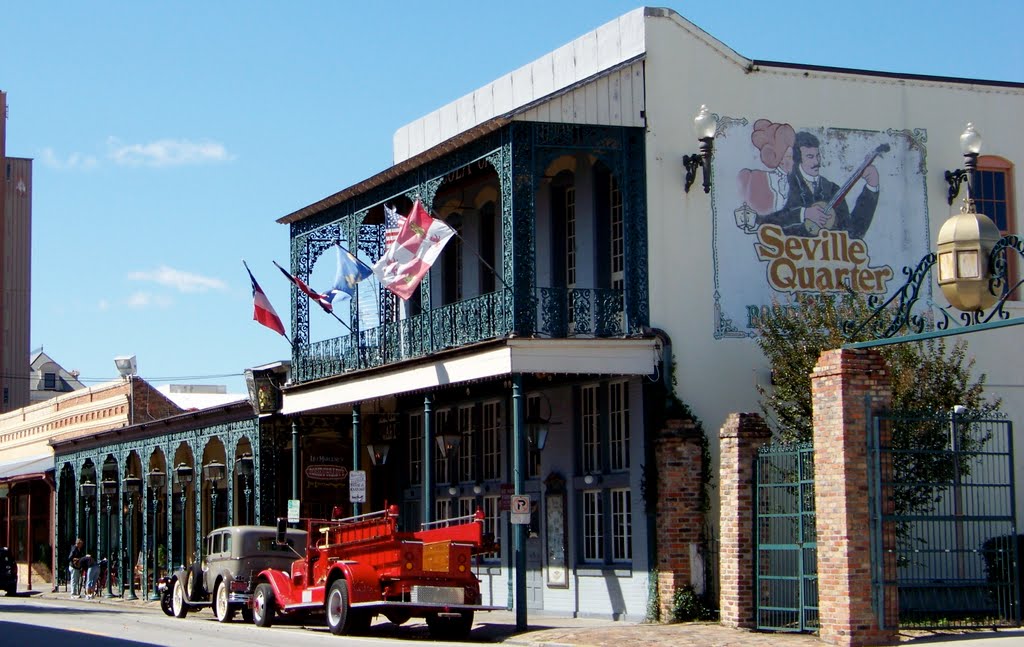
x=520 y=509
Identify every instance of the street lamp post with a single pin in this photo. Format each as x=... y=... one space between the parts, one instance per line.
x=109 y=491
x=244 y=467
x=156 y=483
x=132 y=485
x=88 y=490
x=214 y=472
x=184 y=473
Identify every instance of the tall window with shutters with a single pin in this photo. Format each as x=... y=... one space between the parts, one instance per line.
x=992 y=190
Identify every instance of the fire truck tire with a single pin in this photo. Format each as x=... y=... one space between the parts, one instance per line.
x=178 y=606
x=224 y=611
x=263 y=605
x=339 y=614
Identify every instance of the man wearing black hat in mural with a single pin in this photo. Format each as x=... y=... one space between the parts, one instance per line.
x=815 y=203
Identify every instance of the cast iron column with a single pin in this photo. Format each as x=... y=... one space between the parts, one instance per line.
x=428 y=461
x=355 y=452
x=519 y=472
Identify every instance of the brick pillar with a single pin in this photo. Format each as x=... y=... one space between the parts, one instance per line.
x=679 y=518
x=740 y=438
x=840 y=384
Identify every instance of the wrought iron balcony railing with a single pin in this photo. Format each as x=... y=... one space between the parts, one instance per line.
x=553 y=313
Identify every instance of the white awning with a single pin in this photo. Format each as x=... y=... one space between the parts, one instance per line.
x=26 y=466
x=555 y=356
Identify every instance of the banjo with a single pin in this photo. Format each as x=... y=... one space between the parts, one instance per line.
x=829 y=207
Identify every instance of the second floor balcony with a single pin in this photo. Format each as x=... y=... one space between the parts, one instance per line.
x=551 y=242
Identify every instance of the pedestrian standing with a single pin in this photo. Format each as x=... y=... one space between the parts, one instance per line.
x=74 y=569
x=91 y=570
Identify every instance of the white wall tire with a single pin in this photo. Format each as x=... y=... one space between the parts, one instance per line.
x=221 y=608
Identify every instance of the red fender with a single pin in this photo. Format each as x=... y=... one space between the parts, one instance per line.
x=281 y=582
x=363 y=581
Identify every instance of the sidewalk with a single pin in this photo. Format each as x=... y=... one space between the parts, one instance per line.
x=556 y=631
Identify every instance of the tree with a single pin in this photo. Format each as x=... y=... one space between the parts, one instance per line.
x=927 y=376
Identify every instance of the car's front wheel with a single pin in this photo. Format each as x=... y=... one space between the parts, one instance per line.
x=221 y=608
x=179 y=608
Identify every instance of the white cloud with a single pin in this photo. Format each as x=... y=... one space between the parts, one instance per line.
x=167 y=152
x=146 y=299
x=103 y=305
x=178 y=279
x=74 y=161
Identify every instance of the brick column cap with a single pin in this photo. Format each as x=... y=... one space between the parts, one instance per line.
x=745 y=425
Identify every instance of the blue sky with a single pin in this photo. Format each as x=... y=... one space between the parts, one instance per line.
x=168 y=137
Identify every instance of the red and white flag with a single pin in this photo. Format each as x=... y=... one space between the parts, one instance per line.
x=406 y=261
x=262 y=311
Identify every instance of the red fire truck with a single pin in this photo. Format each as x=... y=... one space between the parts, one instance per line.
x=362 y=566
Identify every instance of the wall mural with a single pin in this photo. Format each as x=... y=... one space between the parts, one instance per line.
x=801 y=209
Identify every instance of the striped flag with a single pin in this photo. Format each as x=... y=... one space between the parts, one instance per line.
x=262 y=311
x=392 y=224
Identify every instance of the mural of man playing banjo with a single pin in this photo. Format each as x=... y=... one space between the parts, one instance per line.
x=815 y=203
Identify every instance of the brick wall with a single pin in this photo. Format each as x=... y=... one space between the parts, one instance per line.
x=841 y=382
x=740 y=438
x=679 y=519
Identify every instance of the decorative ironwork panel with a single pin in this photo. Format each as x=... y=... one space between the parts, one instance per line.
x=945 y=548
x=786 y=576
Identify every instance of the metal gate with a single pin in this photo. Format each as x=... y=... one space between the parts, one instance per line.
x=787 y=551
x=945 y=545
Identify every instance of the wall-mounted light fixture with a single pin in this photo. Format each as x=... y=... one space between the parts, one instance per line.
x=379 y=452
x=448 y=442
x=970 y=146
x=704 y=124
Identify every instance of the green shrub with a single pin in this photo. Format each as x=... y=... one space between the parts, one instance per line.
x=688 y=606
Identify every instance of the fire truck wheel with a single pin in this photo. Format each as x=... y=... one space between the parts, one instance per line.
x=221 y=608
x=339 y=617
x=178 y=606
x=263 y=605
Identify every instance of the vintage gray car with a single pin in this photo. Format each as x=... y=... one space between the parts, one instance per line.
x=222 y=578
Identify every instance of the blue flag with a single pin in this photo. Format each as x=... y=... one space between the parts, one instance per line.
x=351 y=271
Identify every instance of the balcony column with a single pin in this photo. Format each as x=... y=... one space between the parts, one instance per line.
x=355 y=448
x=428 y=459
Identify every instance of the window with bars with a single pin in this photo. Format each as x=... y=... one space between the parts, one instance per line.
x=604 y=439
x=533 y=457
x=467 y=506
x=492 y=521
x=622 y=523
x=491 y=433
x=442 y=509
x=590 y=430
x=618 y=249
x=441 y=463
x=992 y=191
x=467 y=447
x=593 y=527
x=415 y=449
x=618 y=425
x=570 y=237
